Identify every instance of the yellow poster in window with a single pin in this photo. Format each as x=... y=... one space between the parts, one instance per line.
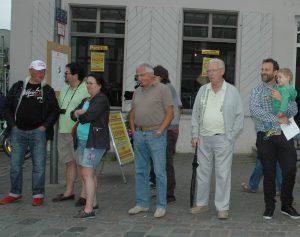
x=205 y=66
x=97 y=61
x=210 y=52
x=99 y=47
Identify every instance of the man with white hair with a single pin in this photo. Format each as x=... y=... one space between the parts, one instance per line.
x=31 y=110
x=217 y=119
x=151 y=114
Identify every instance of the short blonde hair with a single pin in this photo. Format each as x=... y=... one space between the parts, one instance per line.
x=286 y=72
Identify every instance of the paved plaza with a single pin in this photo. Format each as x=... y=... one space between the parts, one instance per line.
x=115 y=198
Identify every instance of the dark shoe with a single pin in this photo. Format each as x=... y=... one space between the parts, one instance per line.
x=94 y=208
x=82 y=214
x=61 y=198
x=268 y=214
x=171 y=198
x=290 y=211
x=152 y=185
x=80 y=202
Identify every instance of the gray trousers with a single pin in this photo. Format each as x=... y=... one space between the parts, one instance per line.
x=214 y=151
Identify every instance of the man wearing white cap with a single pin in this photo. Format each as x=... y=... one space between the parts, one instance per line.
x=31 y=110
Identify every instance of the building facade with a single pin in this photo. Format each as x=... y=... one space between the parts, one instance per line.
x=180 y=35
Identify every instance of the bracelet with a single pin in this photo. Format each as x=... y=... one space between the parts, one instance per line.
x=159 y=132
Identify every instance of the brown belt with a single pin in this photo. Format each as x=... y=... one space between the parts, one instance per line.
x=145 y=129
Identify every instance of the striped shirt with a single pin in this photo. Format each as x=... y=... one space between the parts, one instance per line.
x=261 y=108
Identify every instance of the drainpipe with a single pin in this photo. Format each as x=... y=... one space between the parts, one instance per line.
x=53 y=143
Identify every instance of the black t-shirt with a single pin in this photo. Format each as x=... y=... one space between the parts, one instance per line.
x=29 y=114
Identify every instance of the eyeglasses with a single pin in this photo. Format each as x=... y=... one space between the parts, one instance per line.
x=90 y=83
x=140 y=75
x=213 y=70
x=66 y=73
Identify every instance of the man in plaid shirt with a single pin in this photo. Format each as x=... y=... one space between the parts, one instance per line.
x=276 y=147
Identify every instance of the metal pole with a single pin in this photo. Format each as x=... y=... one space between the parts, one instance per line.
x=53 y=144
x=2 y=62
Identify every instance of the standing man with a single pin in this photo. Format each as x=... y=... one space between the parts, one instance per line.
x=217 y=119
x=70 y=97
x=151 y=114
x=161 y=74
x=31 y=110
x=276 y=147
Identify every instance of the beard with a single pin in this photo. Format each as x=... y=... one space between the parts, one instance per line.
x=267 y=78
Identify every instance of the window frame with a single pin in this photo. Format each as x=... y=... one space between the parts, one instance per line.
x=97 y=33
x=209 y=39
x=98 y=21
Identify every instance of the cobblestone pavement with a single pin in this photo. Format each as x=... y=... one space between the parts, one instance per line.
x=115 y=198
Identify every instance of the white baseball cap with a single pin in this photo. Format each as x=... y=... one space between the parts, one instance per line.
x=37 y=65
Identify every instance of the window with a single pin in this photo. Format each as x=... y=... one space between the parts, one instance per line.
x=101 y=26
x=206 y=35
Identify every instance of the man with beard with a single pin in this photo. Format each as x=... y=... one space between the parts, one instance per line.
x=277 y=147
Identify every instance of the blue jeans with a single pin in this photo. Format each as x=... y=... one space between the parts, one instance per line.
x=257 y=175
x=20 y=141
x=147 y=147
x=89 y=157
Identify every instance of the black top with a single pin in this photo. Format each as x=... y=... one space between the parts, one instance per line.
x=30 y=109
x=98 y=115
x=49 y=111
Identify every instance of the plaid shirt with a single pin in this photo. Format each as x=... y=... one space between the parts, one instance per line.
x=261 y=108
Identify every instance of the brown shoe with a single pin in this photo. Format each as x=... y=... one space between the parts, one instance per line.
x=199 y=209
x=246 y=188
x=61 y=198
x=223 y=215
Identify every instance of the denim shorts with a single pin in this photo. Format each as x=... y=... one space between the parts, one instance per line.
x=89 y=157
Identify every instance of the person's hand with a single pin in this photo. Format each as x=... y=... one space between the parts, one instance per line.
x=79 y=112
x=42 y=128
x=195 y=141
x=283 y=120
x=157 y=134
x=276 y=95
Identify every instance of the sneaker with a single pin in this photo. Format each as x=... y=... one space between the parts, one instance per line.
x=171 y=198
x=290 y=211
x=84 y=215
x=246 y=188
x=268 y=214
x=10 y=199
x=137 y=209
x=37 y=201
x=199 y=209
x=160 y=212
x=80 y=202
x=223 y=215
